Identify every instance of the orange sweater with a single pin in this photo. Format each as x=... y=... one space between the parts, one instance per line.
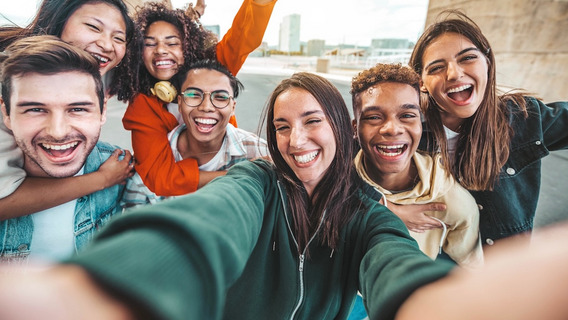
x=149 y=121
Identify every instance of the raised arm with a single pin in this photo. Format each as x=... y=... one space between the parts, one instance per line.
x=245 y=34
x=36 y=194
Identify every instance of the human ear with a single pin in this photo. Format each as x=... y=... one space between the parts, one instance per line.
x=104 y=112
x=354 y=123
x=423 y=87
x=5 y=115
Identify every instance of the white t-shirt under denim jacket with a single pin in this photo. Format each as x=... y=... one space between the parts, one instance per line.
x=90 y=213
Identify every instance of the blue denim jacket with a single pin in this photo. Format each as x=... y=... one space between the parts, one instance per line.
x=510 y=208
x=91 y=212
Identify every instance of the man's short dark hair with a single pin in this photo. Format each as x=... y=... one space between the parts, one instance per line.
x=46 y=55
x=381 y=73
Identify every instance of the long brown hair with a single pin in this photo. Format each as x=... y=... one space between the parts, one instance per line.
x=484 y=138
x=336 y=192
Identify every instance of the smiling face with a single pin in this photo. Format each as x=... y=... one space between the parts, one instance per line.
x=206 y=124
x=56 y=129
x=455 y=74
x=304 y=136
x=163 y=52
x=389 y=130
x=99 y=29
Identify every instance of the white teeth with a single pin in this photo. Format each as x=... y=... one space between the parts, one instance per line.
x=398 y=146
x=306 y=157
x=60 y=147
x=460 y=88
x=100 y=58
x=389 y=154
x=163 y=63
x=205 y=121
x=393 y=150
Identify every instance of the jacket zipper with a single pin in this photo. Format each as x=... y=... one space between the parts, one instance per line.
x=301 y=256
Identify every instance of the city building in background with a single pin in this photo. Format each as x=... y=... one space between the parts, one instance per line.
x=316 y=48
x=289 y=40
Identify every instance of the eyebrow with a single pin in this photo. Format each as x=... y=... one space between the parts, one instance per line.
x=457 y=55
x=406 y=106
x=167 y=38
x=303 y=115
x=39 y=104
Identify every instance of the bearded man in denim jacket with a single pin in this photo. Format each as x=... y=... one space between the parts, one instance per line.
x=53 y=101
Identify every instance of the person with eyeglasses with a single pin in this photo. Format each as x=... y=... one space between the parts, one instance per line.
x=206 y=103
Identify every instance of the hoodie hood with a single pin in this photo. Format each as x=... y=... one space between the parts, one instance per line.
x=434 y=182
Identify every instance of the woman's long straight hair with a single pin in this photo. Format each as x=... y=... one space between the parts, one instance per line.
x=484 y=138
x=335 y=194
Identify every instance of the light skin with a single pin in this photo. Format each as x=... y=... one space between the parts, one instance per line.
x=304 y=136
x=163 y=52
x=101 y=35
x=389 y=127
x=55 y=129
x=206 y=124
x=104 y=37
x=45 y=118
x=455 y=75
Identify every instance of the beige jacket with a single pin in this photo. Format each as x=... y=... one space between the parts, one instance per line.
x=461 y=241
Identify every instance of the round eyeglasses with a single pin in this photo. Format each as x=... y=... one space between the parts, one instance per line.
x=193 y=97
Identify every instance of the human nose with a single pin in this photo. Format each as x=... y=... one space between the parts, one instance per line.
x=206 y=104
x=160 y=48
x=390 y=127
x=454 y=71
x=297 y=137
x=57 y=126
x=105 y=42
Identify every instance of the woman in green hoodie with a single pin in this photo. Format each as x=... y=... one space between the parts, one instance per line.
x=267 y=241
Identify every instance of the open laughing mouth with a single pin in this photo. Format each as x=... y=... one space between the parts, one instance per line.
x=164 y=64
x=306 y=158
x=59 y=150
x=103 y=61
x=391 y=150
x=205 y=125
x=461 y=93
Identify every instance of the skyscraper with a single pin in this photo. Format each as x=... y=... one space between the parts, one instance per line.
x=290 y=33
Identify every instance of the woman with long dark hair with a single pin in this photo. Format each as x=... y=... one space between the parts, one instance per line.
x=491 y=142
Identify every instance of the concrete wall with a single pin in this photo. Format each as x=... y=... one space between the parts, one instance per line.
x=529 y=39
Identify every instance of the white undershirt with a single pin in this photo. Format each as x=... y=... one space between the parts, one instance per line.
x=173 y=108
x=452 y=138
x=53 y=237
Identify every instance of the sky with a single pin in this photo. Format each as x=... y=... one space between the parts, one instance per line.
x=337 y=22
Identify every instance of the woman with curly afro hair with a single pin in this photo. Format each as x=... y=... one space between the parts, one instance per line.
x=168 y=40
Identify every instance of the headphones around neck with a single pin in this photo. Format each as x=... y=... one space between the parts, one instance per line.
x=165 y=91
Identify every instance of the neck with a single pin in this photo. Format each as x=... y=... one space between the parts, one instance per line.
x=394 y=181
x=203 y=152
x=451 y=122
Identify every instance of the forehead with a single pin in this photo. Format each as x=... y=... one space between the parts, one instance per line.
x=101 y=11
x=389 y=95
x=54 y=89
x=296 y=103
x=207 y=79
x=162 y=28
x=447 y=43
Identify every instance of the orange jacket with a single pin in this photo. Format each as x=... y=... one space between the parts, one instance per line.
x=149 y=121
